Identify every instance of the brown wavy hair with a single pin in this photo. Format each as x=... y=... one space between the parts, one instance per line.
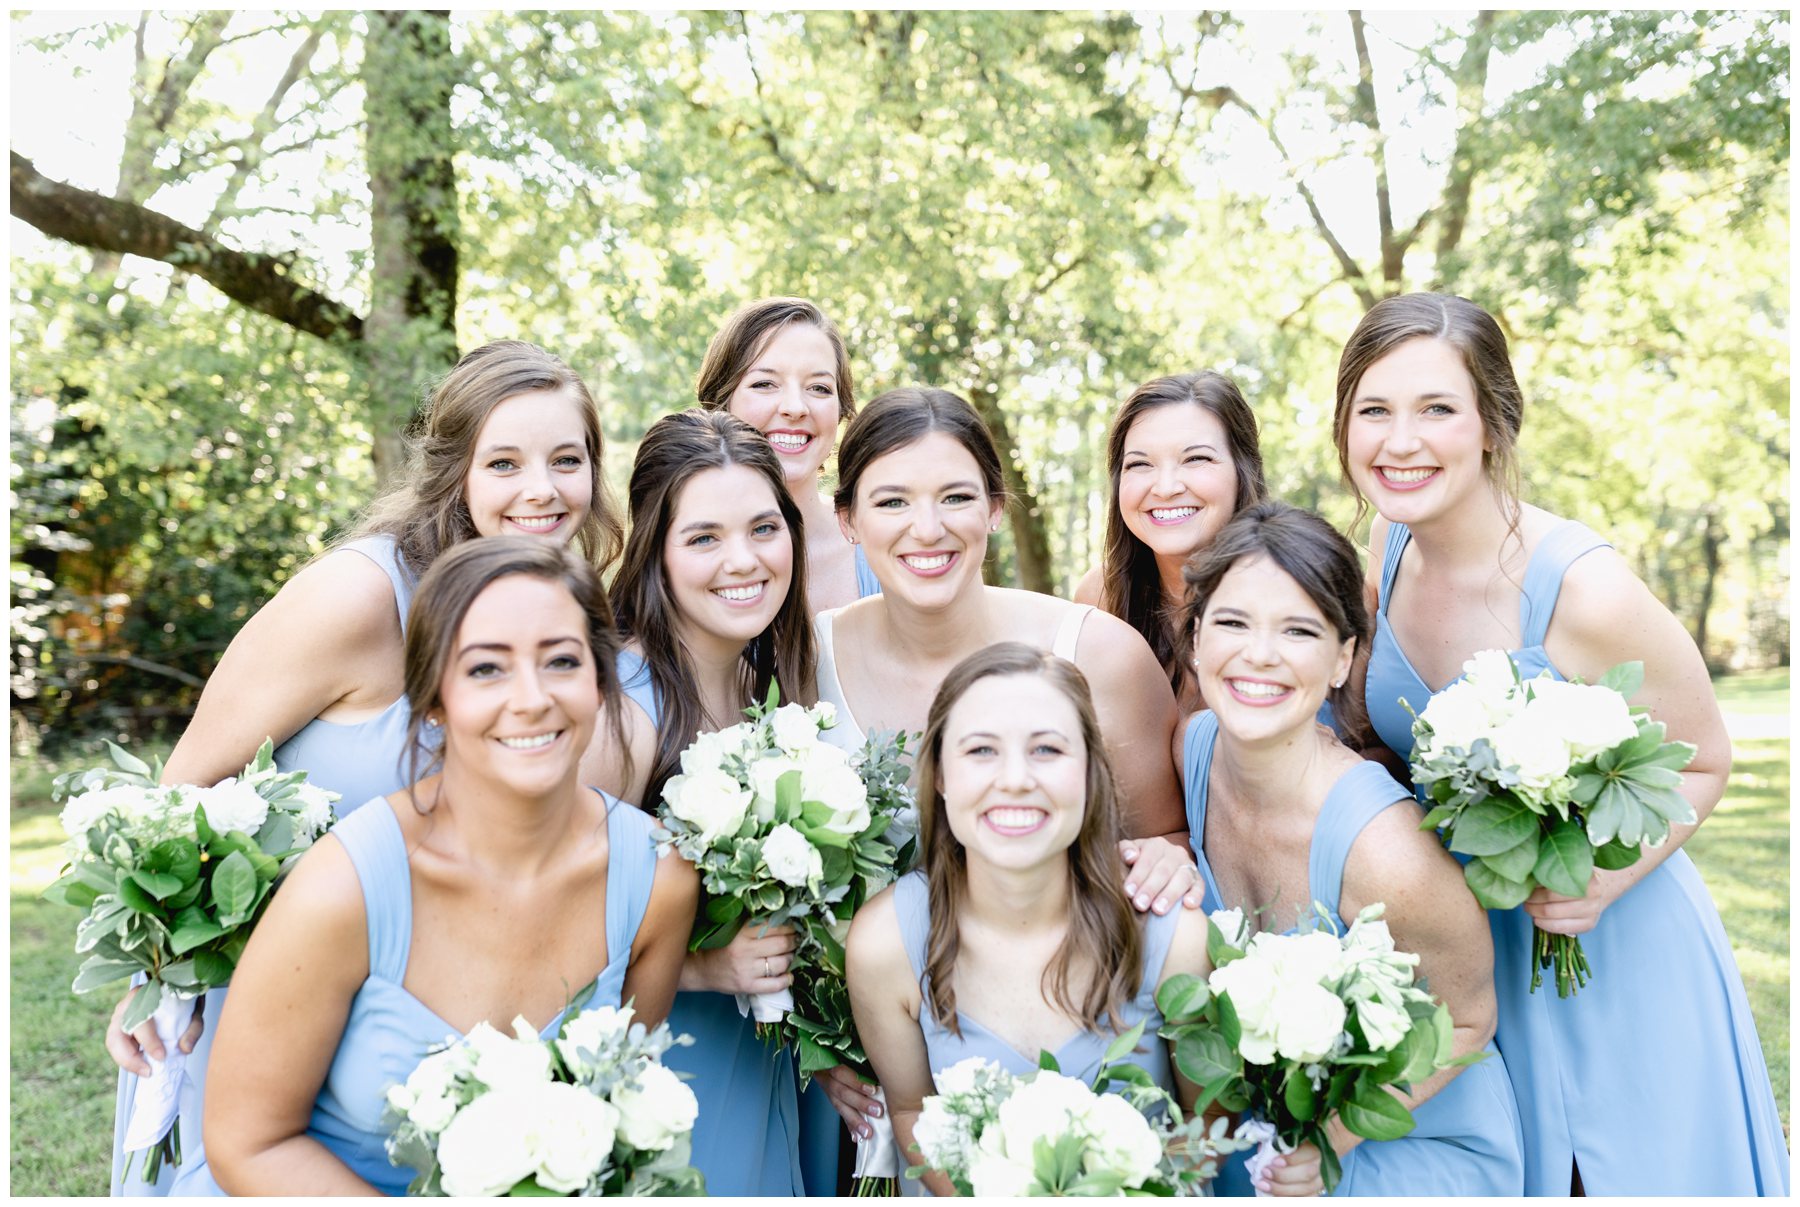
x=444 y=597
x=676 y=449
x=905 y=416
x=1103 y=929
x=1317 y=557
x=427 y=512
x=1130 y=587
x=746 y=335
x=1473 y=332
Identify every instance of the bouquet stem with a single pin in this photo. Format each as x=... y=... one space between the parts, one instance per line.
x=875 y=1188
x=156 y=1099
x=1564 y=954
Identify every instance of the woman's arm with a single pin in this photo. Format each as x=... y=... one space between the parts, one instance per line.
x=1605 y=616
x=1137 y=720
x=327 y=633
x=884 y=997
x=1087 y=591
x=662 y=939
x=283 y=1020
x=1431 y=912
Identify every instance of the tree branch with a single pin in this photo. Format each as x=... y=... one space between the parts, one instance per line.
x=1353 y=273
x=259 y=282
x=1393 y=251
x=768 y=126
x=1471 y=86
x=252 y=151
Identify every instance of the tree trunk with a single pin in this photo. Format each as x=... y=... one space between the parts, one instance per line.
x=1710 y=543
x=409 y=335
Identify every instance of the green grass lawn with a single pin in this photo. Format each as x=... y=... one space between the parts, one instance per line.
x=63 y=1082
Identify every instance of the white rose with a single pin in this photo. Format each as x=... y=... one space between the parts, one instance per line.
x=791 y=859
x=1251 y=983
x=81 y=813
x=659 y=1108
x=1496 y=682
x=1047 y=1106
x=794 y=728
x=1383 y=1024
x=503 y=1063
x=825 y=713
x=1536 y=752
x=1122 y=1140
x=992 y=1174
x=765 y=774
x=314 y=812
x=486 y=1150
x=1232 y=926
x=1308 y=1020
x=572 y=1136
x=433 y=1114
x=961 y=1077
x=230 y=805
x=1457 y=717
x=1590 y=718
x=1315 y=957
x=830 y=780
x=710 y=801
x=591 y=1029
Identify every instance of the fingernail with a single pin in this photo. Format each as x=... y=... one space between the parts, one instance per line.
x=1130 y=889
x=1161 y=906
x=875 y=1111
x=1143 y=901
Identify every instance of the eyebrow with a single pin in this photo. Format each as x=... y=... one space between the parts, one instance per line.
x=1434 y=395
x=975 y=486
x=1285 y=619
x=513 y=448
x=705 y=525
x=1036 y=733
x=776 y=372
x=1204 y=444
x=506 y=647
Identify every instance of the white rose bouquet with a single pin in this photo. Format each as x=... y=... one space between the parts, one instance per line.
x=1296 y=1029
x=992 y=1133
x=1541 y=781
x=173 y=880
x=787 y=828
x=592 y=1112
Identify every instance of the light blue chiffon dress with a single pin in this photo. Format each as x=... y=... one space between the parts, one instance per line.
x=747 y=1137
x=389 y=1031
x=1651 y=1079
x=357 y=761
x=1081 y=1054
x=1466 y=1138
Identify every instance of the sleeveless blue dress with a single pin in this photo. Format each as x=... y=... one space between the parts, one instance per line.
x=746 y=1139
x=389 y=1030
x=1081 y=1054
x=1651 y=1079
x=1466 y=1139
x=357 y=761
x=866 y=582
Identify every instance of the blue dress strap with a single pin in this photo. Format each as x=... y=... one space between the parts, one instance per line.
x=912 y=910
x=630 y=873
x=1159 y=936
x=1397 y=538
x=1551 y=559
x=384 y=551
x=634 y=681
x=1353 y=802
x=866 y=582
x=1196 y=762
x=371 y=835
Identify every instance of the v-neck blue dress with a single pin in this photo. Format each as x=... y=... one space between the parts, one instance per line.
x=1080 y=1055
x=1651 y=1079
x=1466 y=1139
x=389 y=1030
x=747 y=1138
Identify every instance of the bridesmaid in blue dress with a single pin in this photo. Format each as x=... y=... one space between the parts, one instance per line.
x=780 y=365
x=332 y=637
x=1182 y=457
x=1650 y=1080
x=1283 y=816
x=711 y=598
x=495 y=887
x=1014 y=935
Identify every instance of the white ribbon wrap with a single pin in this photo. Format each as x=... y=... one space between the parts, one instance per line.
x=766 y=1007
x=879 y=1155
x=1268 y=1147
x=156 y=1102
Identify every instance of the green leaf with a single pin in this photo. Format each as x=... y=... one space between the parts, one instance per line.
x=528 y=1188
x=1493 y=890
x=1229 y=1026
x=97 y=971
x=787 y=797
x=814 y=1057
x=134 y=895
x=1516 y=864
x=1438 y=817
x=1048 y=1061
x=212 y=967
x=1182 y=995
x=276 y=838
x=1123 y=1045
x=175 y=857
x=1205 y=1057
x=1565 y=860
x=1298 y=1095
x=1496 y=825
x=234 y=886
x=1616 y=855
x=181 y=975
x=203 y=831
x=186 y=896
x=158 y=884
x=142 y=1005
x=191 y=934
x=1375 y=1114
x=128 y=762
x=1625 y=678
